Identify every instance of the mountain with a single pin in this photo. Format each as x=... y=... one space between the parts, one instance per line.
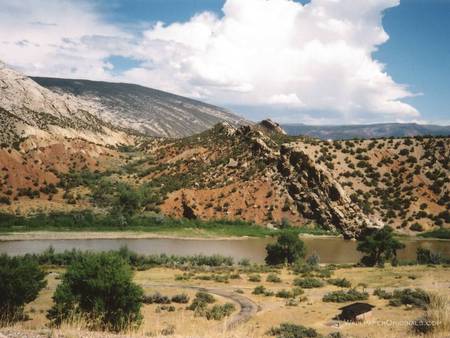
x=253 y=173
x=58 y=154
x=28 y=110
x=150 y=111
x=367 y=131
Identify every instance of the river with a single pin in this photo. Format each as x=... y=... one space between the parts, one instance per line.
x=330 y=250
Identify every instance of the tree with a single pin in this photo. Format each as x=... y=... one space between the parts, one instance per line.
x=288 y=249
x=21 y=279
x=98 y=288
x=129 y=201
x=381 y=246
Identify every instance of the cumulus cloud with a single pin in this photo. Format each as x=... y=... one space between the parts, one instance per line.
x=300 y=62
x=56 y=38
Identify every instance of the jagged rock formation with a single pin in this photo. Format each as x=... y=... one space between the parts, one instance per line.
x=28 y=109
x=272 y=127
x=318 y=195
x=150 y=111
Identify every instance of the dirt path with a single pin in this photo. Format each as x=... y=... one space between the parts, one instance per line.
x=248 y=308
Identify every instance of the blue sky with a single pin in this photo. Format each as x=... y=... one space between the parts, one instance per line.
x=418 y=53
x=321 y=75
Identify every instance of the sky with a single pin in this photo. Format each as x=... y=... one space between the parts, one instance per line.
x=304 y=61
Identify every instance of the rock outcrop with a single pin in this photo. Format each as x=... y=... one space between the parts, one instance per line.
x=318 y=196
x=272 y=127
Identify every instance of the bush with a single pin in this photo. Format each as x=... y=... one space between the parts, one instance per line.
x=341 y=282
x=287 y=250
x=383 y=294
x=181 y=299
x=345 y=296
x=218 y=312
x=259 y=290
x=5 y=200
x=156 y=298
x=21 y=279
x=287 y=330
x=200 y=302
x=313 y=260
x=273 y=278
x=308 y=283
x=416 y=227
x=86 y=291
x=285 y=294
x=418 y=298
x=380 y=247
x=425 y=256
x=254 y=278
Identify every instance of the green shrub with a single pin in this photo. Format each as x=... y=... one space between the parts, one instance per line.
x=383 y=294
x=273 y=278
x=288 y=330
x=86 y=291
x=418 y=298
x=200 y=302
x=287 y=250
x=285 y=294
x=379 y=247
x=218 y=312
x=181 y=298
x=313 y=260
x=156 y=298
x=341 y=282
x=254 y=278
x=308 y=283
x=416 y=227
x=345 y=296
x=425 y=256
x=21 y=279
x=259 y=290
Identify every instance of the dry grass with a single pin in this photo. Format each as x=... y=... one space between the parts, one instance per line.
x=438 y=314
x=272 y=310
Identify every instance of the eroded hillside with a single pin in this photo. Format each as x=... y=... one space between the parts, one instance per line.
x=252 y=173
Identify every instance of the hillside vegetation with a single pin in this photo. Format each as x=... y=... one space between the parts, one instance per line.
x=254 y=174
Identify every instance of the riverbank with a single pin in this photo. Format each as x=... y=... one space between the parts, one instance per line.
x=188 y=234
x=143 y=226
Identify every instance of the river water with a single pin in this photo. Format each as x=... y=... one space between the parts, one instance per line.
x=330 y=250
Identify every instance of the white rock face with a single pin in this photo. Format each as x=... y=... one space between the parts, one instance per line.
x=28 y=109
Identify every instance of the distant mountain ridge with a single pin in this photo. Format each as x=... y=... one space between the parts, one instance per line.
x=343 y=132
x=147 y=110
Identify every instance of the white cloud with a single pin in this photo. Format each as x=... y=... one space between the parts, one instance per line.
x=309 y=61
x=55 y=38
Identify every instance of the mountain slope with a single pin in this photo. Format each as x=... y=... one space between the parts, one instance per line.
x=30 y=110
x=345 y=132
x=252 y=173
x=147 y=110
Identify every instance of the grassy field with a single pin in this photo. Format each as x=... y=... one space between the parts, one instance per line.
x=310 y=311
